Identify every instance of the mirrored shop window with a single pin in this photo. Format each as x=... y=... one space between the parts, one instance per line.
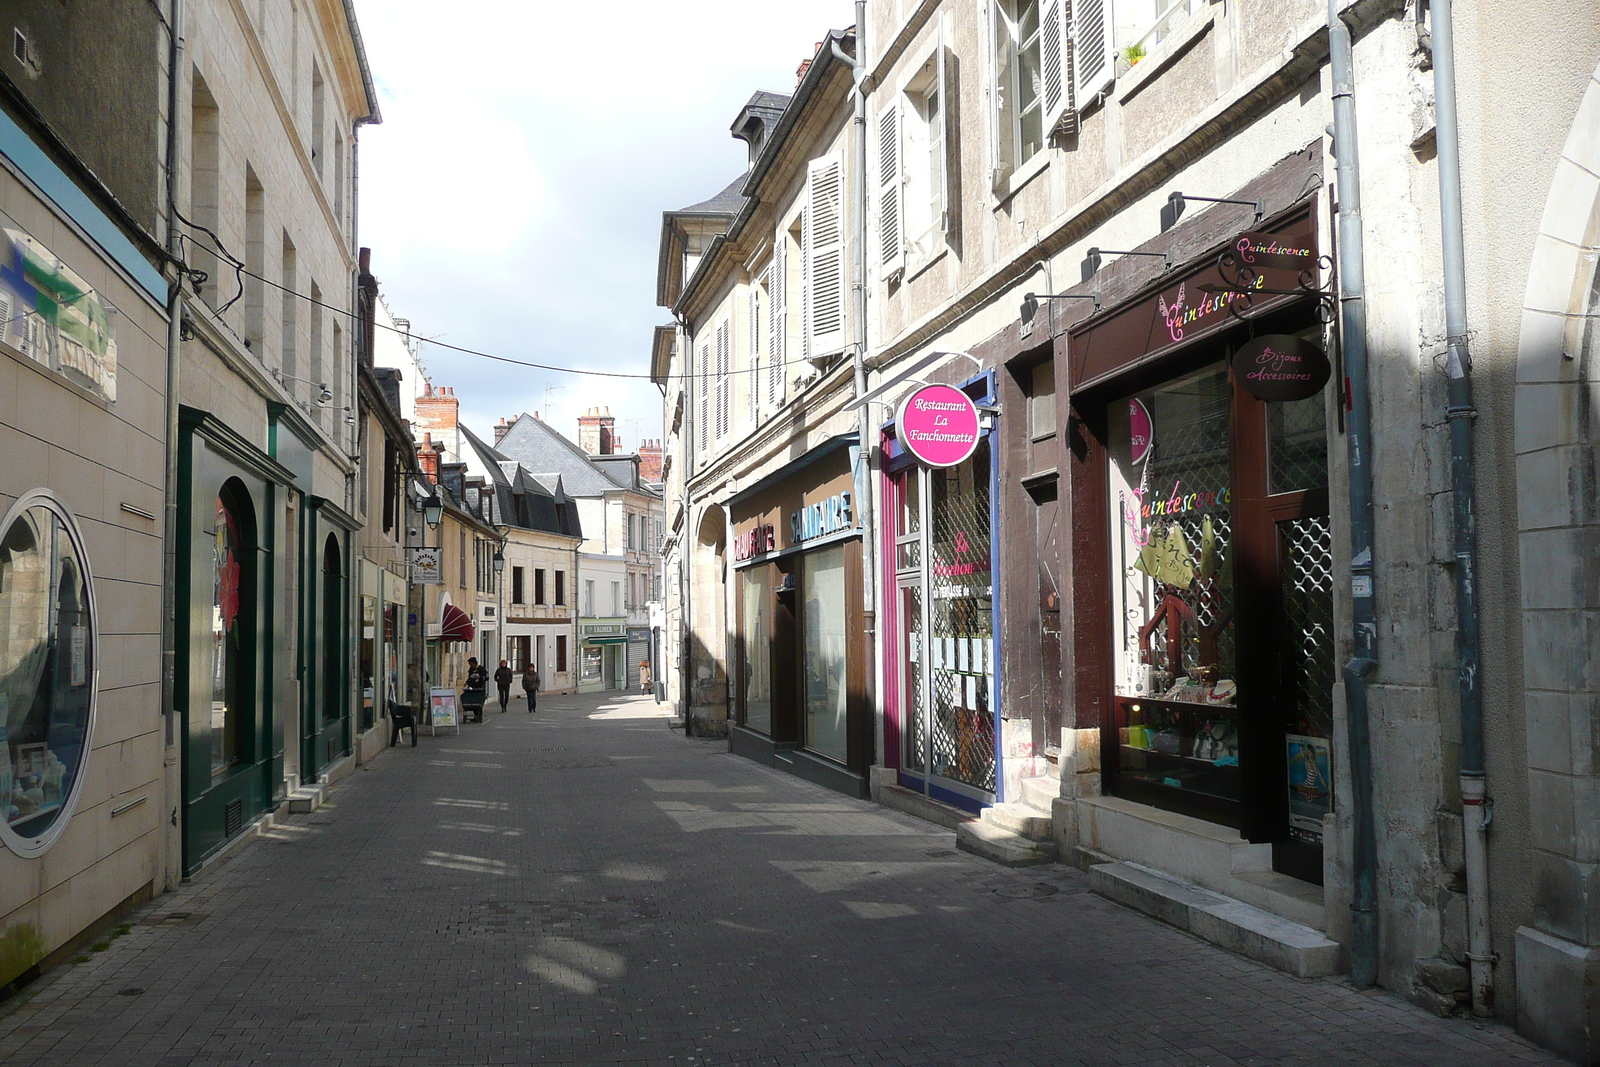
x=46 y=669
x=1172 y=516
x=823 y=666
x=229 y=589
x=757 y=595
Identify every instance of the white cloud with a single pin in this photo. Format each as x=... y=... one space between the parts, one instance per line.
x=512 y=196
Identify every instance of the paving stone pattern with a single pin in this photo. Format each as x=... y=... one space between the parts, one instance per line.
x=585 y=886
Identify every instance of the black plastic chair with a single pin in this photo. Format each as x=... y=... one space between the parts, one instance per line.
x=401 y=717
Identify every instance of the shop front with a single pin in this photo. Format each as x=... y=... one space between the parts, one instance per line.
x=1202 y=611
x=801 y=652
x=602 y=655
x=939 y=613
x=233 y=615
x=383 y=652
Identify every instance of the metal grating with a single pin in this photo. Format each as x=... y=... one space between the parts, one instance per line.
x=1308 y=656
x=962 y=727
x=233 y=817
x=1297 y=432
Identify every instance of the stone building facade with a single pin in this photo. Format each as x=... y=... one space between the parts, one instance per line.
x=1026 y=244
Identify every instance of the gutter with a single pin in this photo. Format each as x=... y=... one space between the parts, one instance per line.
x=1477 y=809
x=1364 y=658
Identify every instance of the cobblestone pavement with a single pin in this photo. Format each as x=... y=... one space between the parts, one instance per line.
x=584 y=887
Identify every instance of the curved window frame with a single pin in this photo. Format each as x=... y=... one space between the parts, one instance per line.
x=32 y=847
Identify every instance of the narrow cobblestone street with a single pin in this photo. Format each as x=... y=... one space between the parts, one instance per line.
x=583 y=886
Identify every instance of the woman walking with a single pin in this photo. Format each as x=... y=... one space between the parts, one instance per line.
x=530 y=686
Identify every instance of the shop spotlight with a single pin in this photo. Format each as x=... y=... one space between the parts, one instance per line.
x=1172 y=210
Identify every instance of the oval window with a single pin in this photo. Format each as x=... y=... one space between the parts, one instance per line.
x=47 y=670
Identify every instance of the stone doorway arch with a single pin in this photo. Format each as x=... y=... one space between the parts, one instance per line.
x=1558 y=535
x=708 y=626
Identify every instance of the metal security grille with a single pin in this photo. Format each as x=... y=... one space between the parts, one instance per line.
x=911 y=604
x=1308 y=610
x=962 y=727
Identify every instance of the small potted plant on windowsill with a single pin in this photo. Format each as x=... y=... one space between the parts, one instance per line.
x=1133 y=53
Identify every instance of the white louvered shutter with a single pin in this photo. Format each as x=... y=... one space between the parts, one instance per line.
x=891 y=198
x=702 y=385
x=753 y=368
x=1053 y=47
x=777 y=319
x=1093 y=54
x=723 y=344
x=825 y=280
x=947 y=180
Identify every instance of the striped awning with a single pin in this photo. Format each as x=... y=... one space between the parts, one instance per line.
x=455 y=625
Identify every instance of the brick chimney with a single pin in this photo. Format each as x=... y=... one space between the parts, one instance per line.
x=428 y=458
x=597 y=432
x=500 y=429
x=650 y=461
x=438 y=409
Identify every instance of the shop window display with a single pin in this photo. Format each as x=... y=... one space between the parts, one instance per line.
x=226 y=637
x=47 y=670
x=824 y=658
x=757 y=656
x=1171 y=497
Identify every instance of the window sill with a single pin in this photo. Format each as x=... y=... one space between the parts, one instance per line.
x=1022 y=176
x=920 y=267
x=1130 y=81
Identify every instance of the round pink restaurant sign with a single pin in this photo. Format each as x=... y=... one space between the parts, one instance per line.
x=939 y=425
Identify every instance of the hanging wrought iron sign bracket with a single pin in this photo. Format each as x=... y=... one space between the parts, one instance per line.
x=1239 y=268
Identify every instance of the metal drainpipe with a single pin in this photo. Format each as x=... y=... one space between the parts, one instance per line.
x=169 y=548
x=686 y=542
x=858 y=286
x=1476 y=808
x=1364 y=651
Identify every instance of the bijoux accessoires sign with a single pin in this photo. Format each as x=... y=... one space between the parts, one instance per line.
x=938 y=424
x=1281 y=367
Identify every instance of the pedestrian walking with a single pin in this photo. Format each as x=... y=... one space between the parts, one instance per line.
x=644 y=676
x=502 y=681
x=476 y=689
x=530 y=686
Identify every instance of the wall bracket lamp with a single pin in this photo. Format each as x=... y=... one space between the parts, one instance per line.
x=1173 y=209
x=1091 y=261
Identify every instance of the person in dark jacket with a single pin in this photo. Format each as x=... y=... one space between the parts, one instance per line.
x=530 y=686
x=502 y=681
x=472 y=694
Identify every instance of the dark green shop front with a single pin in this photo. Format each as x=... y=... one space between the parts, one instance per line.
x=263 y=597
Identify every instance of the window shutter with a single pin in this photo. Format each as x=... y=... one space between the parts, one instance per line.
x=1053 y=46
x=723 y=344
x=776 y=319
x=950 y=115
x=1002 y=36
x=1093 y=54
x=753 y=373
x=702 y=383
x=891 y=202
x=805 y=278
x=825 y=283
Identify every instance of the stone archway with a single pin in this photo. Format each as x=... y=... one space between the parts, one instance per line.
x=1558 y=504
x=708 y=626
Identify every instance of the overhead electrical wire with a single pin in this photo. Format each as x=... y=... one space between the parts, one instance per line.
x=241 y=272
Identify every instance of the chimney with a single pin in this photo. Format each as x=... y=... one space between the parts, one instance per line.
x=438 y=409
x=428 y=458
x=650 y=454
x=597 y=432
x=500 y=429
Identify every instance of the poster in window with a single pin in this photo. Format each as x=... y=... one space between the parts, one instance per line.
x=1310 y=784
x=80 y=656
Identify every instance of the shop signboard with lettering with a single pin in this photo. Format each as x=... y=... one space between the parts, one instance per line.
x=1280 y=366
x=938 y=424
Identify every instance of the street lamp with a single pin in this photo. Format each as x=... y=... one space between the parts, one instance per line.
x=433 y=510
x=499 y=562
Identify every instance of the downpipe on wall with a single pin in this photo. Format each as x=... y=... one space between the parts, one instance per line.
x=865 y=483
x=1476 y=807
x=1364 y=650
x=169 y=548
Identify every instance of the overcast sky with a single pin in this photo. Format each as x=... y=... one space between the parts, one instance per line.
x=512 y=195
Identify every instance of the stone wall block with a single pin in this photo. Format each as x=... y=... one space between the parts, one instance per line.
x=1555 y=486
x=1549 y=731
x=1566 y=897
x=1550 y=804
x=1560 y=570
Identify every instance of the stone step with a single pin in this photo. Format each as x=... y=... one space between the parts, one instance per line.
x=1002 y=846
x=1223 y=921
x=911 y=802
x=1040 y=793
x=306 y=799
x=1021 y=820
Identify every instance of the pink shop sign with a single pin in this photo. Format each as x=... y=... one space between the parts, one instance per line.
x=938 y=424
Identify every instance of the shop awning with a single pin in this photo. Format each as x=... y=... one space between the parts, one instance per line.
x=607 y=639
x=455 y=625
